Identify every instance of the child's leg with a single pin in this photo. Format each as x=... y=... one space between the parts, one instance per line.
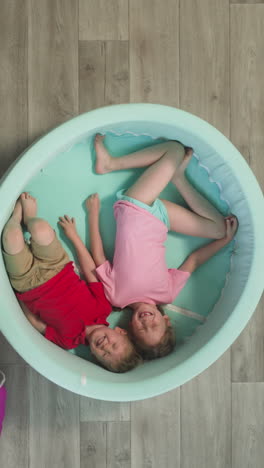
x=17 y=255
x=149 y=185
x=40 y=230
x=205 y=220
x=142 y=158
x=186 y=222
x=13 y=239
x=49 y=254
x=163 y=160
x=208 y=222
x=25 y=265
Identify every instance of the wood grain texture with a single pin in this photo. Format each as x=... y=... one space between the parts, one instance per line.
x=103 y=20
x=92 y=58
x=93 y=445
x=247 y=75
x=248 y=350
x=155 y=431
x=54 y=430
x=206 y=418
x=246 y=2
x=96 y=410
x=176 y=53
x=117 y=72
x=14 y=441
x=118 y=445
x=7 y=354
x=248 y=425
x=247 y=123
x=53 y=64
x=204 y=91
x=154 y=51
x=13 y=82
x=204 y=60
x=103 y=74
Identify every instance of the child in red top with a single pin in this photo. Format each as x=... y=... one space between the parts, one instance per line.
x=65 y=309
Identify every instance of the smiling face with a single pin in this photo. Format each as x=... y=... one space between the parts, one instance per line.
x=148 y=325
x=109 y=345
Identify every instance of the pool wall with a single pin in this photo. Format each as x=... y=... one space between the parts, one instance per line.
x=241 y=293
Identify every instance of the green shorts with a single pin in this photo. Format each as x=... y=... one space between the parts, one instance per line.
x=157 y=209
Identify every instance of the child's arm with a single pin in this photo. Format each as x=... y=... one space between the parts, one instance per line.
x=200 y=256
x=85 y=260
x=33 y=319
x=93 y=208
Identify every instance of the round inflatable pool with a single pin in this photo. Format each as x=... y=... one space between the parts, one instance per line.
x=238 y=189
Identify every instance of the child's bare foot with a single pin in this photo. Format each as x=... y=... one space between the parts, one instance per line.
x=17 y=212
x=103 y=158
x=232 y=225
x=93 y=204
x=29 y=206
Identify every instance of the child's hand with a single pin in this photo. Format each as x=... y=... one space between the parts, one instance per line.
x=93 y=204
x=231 y=228
x=69 y=226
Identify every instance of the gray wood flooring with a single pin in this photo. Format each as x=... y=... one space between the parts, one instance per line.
x=63 y=57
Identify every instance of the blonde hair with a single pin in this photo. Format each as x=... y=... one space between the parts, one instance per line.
x=131 y=360
x=163 y=348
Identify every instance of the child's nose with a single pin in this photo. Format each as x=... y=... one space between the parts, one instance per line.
x=107 y=345
x=145 y=321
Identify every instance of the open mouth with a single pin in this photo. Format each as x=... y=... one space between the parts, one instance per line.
x=145 y=314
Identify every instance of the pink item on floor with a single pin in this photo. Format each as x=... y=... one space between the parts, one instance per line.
x=2 y=399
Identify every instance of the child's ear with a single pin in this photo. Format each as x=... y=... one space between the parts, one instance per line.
x=120 y=330
x=167 y=320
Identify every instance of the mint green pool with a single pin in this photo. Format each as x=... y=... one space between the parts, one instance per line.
x=220 y=297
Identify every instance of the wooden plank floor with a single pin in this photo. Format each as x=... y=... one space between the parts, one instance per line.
x=60 y=58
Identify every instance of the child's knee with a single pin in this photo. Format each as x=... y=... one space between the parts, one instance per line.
x=11 y=236
x=220 y=230
x=41 y=231
x=177 y=146
x=175 y=151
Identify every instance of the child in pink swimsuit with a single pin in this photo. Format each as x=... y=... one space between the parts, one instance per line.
x=139 y=277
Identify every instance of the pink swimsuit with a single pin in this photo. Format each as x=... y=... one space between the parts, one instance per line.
x=139 y=272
